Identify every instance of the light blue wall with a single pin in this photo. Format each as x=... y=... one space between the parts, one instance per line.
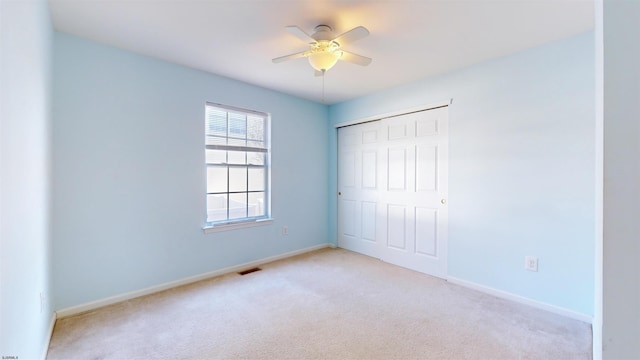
x=25 y=78
x=128 y=177
x=621 y=273
x=521 y=168
x=129 y=180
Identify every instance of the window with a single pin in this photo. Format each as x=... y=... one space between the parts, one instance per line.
x=237 y=154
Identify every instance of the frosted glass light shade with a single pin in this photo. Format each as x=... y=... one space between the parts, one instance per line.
x=324 y=60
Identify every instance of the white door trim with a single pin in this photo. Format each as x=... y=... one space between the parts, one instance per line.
x=394 y=113
x=349 y=237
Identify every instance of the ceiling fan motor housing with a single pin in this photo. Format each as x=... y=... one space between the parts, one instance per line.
x=323 y=32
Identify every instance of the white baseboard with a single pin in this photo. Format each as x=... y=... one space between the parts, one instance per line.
x=74 y=310
x=52 y=324
x=523 y=300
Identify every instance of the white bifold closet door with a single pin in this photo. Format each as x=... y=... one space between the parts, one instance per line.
x=392 y=189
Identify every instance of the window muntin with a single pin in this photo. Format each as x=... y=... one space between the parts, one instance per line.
x=237 y=160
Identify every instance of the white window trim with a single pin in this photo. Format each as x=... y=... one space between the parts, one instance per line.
x=245 y=222
x=236 y=225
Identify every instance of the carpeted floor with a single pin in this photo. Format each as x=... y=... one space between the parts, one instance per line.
x=329 y=304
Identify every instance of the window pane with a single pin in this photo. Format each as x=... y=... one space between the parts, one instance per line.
x=256 y=144
x=237 y=142
x=237 y=206
x=237 y=157
x=238 y=179
x=216 y=156
x=256 y=204
x=255 y=128
x=216 y=179
x=237 y=126
x=216 y=122
x=255 y=158
x=216 y=140
x=256 y=179
x=216 y=207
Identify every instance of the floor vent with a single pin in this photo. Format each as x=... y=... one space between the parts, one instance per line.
x=249 y=271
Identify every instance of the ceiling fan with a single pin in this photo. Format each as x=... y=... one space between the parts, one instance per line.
x=325 y=49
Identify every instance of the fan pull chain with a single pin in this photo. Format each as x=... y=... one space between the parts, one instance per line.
x=323 y=72
x=323 y=87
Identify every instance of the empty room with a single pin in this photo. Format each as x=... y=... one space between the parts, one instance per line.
x=266 y=179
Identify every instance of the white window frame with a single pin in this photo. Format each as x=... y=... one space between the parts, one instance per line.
x=247 y=221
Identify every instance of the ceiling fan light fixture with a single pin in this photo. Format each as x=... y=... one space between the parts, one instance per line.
x=323 y=61
x=324 y=54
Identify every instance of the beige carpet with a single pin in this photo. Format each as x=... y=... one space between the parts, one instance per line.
x=329 y=304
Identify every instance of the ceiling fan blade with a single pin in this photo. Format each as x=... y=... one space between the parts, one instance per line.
x=352 y=35
x=289 y=57
x=355 y=58
x=296 y=31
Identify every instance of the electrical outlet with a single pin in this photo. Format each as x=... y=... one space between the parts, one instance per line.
x=531 y=263
x=285 y=230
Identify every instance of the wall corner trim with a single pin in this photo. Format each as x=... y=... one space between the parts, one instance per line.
x=82 y=308
x=522 y=300
x=49 y=334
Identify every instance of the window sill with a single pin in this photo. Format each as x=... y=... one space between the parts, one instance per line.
x=236 y=225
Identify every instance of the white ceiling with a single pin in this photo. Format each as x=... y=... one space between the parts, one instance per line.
x=409 y=40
